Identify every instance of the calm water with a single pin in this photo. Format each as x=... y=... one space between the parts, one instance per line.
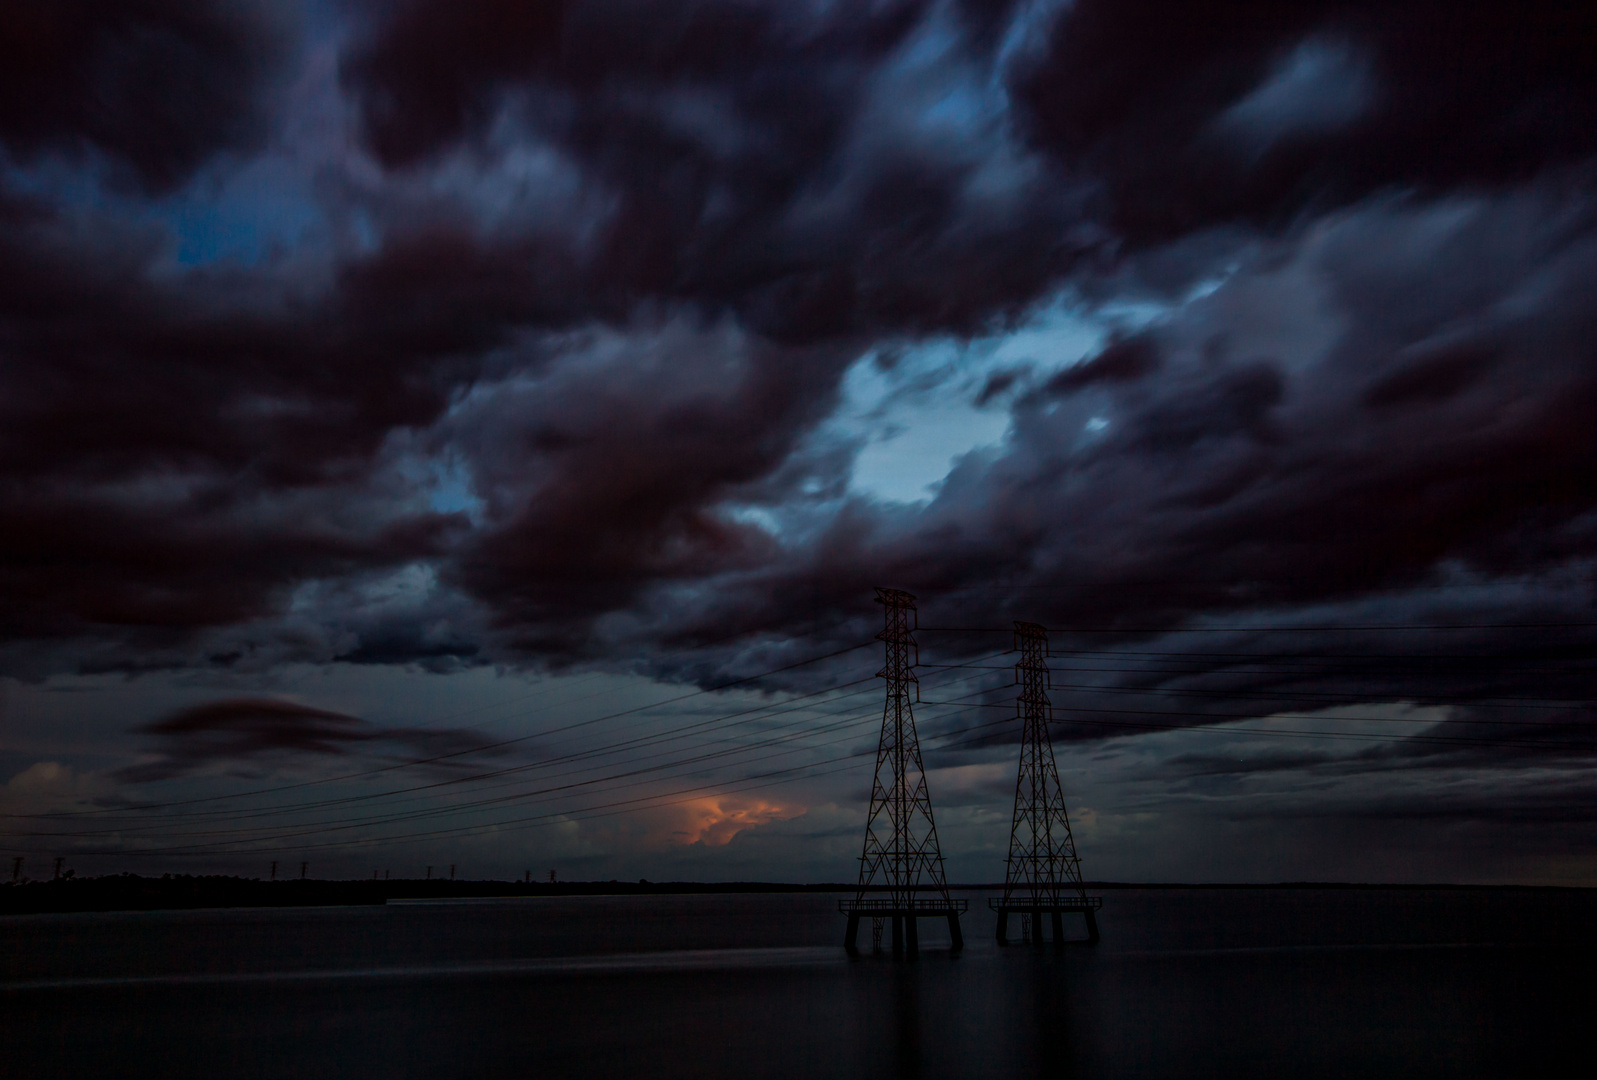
x=1184 y=984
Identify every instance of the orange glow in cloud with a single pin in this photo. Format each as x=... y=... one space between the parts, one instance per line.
x=717 y=819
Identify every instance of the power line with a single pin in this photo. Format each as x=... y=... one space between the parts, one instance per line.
x=1230 y=717
x=1212 y=723
x=456 y=807
x=1563 y=704
x=312 y=828
x=473 y=750
x=856 y=760
x=202 y=848
x=545 y=763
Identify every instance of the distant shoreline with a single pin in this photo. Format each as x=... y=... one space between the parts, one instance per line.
x=130 y=892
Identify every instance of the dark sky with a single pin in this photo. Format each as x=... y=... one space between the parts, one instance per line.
x=412 y=413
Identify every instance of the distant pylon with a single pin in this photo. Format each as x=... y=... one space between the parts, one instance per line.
x=901 y=850
x=1043 y=873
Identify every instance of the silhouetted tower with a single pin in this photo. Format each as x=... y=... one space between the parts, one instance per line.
x=274 y=869
x=1044 y=874
x=304 y=866
x=16 y=869
x=901 y=851
x=58 y=861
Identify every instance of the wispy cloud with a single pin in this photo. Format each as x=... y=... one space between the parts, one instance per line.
x=239 y=732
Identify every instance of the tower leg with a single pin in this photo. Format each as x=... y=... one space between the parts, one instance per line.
x=898 y=935
x=1036 y=927
x=1003 y=927
x=954 y=934
x=852 y=933
x=1092 y=926
x=1059 y=928
x=911 y=937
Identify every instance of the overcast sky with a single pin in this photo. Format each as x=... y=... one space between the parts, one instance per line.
x=470 y=431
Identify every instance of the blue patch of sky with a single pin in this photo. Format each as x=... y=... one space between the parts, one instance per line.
x=919 y=414
x=243 y=213
x=452 y=492
x=265 y=207
x=449 y=487
x=916 y=411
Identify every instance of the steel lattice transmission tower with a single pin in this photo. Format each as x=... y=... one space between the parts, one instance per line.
x=901 y=855
x=1044 y=874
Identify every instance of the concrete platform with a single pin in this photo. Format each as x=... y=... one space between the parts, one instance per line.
x=906 y=938
x=1087 y=905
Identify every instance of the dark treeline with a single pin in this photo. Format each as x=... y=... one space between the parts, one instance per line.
x=131 y=892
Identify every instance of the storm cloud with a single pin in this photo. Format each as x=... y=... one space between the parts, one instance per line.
x=239 y=732
x=551 y=352
x=156 y=86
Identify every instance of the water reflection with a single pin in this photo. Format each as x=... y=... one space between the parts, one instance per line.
x=906 y=1021
x=1184 y=984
